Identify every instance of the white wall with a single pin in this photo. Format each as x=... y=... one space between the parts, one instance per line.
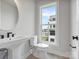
x=75 y=27
x=0 y=15
x=26 y=17
x=63 y=26
x=8 y=15
x=78 y=28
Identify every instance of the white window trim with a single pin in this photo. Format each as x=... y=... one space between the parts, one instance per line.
x=40 y=26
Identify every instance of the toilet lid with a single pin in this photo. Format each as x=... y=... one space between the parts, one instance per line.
x=42 y=45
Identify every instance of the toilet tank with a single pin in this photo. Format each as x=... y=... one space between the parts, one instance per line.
x=33 y=41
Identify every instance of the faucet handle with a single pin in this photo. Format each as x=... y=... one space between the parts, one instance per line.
x=13 y=35
x=75 y=37
x=1 y=36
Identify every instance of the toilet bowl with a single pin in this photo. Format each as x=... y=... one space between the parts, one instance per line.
x=39 y=49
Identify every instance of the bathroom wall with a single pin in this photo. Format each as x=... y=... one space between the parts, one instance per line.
x=26 y=21
x=8 y=15
x=75 y=27
x=63 y=26
x=0 y=15
x=78 y=28
x=26 y=17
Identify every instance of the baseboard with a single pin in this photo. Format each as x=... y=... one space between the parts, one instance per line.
x=59 y=53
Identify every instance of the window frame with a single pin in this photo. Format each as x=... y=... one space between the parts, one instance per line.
x=40 y=32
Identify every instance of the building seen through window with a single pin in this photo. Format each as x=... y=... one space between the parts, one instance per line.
x=48 y=18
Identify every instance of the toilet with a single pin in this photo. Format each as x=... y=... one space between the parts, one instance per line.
x=39 y=50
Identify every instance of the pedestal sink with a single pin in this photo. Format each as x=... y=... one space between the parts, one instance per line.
x=15 y=47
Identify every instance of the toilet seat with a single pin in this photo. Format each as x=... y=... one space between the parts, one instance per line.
x=42 y=45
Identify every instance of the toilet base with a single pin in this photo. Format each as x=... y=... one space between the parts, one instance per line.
x=40 y=53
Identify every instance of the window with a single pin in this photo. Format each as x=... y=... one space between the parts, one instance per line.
x=48 y=22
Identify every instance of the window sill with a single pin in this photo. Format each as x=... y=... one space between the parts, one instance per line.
x=49 y=43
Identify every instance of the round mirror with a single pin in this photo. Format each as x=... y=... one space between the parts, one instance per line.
x=8 y=14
